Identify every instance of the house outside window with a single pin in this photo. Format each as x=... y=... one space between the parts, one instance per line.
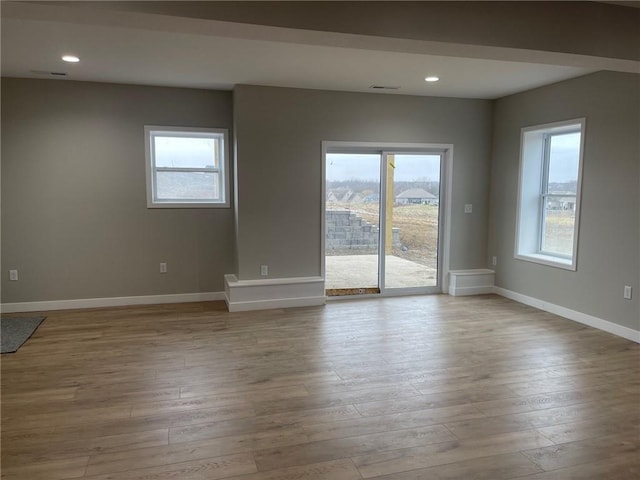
x=549 y=193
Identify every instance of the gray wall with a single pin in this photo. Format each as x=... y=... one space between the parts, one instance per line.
x=279 y=166
x=609 y=239
x=74 y=217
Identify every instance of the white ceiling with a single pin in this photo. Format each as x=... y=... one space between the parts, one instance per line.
x=125 y=47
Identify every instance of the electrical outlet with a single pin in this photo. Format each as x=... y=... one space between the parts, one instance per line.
x=494 y=261
x=468 y=208
x=13 y=275
x=264 y=270
x=163 y=267
x=627 y=292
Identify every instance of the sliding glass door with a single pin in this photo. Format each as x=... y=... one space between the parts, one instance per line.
x=382 y=221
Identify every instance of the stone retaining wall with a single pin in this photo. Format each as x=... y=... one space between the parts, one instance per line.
x=347 y=230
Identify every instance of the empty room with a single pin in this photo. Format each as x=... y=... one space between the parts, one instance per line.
x=320 y=240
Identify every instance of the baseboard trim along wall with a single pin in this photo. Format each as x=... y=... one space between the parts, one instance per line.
x=110 y=302
x=471 y=282
x=245 y=295
x=585 y=319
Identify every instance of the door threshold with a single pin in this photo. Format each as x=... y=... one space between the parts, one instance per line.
x=342 y=292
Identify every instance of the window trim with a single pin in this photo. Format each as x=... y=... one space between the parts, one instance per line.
x=534 y=159
x=187 y=132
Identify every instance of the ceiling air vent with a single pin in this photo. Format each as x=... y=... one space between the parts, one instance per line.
x=384 y=87
x=45 y=72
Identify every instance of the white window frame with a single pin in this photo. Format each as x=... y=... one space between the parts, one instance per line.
x=221 y=134
x=533 y=193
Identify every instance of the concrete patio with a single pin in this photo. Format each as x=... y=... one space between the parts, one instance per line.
x=361 y=271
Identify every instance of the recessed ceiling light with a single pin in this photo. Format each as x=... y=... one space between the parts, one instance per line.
x=70 y=58
x=432 y=79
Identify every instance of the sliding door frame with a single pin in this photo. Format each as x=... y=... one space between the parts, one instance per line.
x=444 y=222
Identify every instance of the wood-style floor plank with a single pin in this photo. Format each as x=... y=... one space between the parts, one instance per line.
x=47 y=470
x=412 y=388
x=623 y=467
x=396 y=461
x=326 y=450
x=207 y=468
x=495 y=467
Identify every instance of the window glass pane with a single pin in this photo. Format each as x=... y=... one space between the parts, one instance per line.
x=559 y=220
x=412 y=214
x=564 y=156
x=352 y=216
x=185 y=152
x=187 y=186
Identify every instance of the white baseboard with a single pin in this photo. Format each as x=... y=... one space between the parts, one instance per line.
x=109 y=302
x=471 y=282
x=585 y=319
x=275 y=303
x=245 y=295
x=461 y=291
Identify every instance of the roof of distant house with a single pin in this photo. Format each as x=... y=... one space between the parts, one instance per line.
x=416 y=193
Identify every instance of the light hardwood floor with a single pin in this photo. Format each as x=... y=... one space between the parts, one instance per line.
x=407 y=388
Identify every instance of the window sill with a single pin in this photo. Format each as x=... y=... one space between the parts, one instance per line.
x=187 y=205
x=548 y=260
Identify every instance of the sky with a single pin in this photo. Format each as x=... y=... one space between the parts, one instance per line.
x=563 y=166
x=184 y=152
x=367 y=167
